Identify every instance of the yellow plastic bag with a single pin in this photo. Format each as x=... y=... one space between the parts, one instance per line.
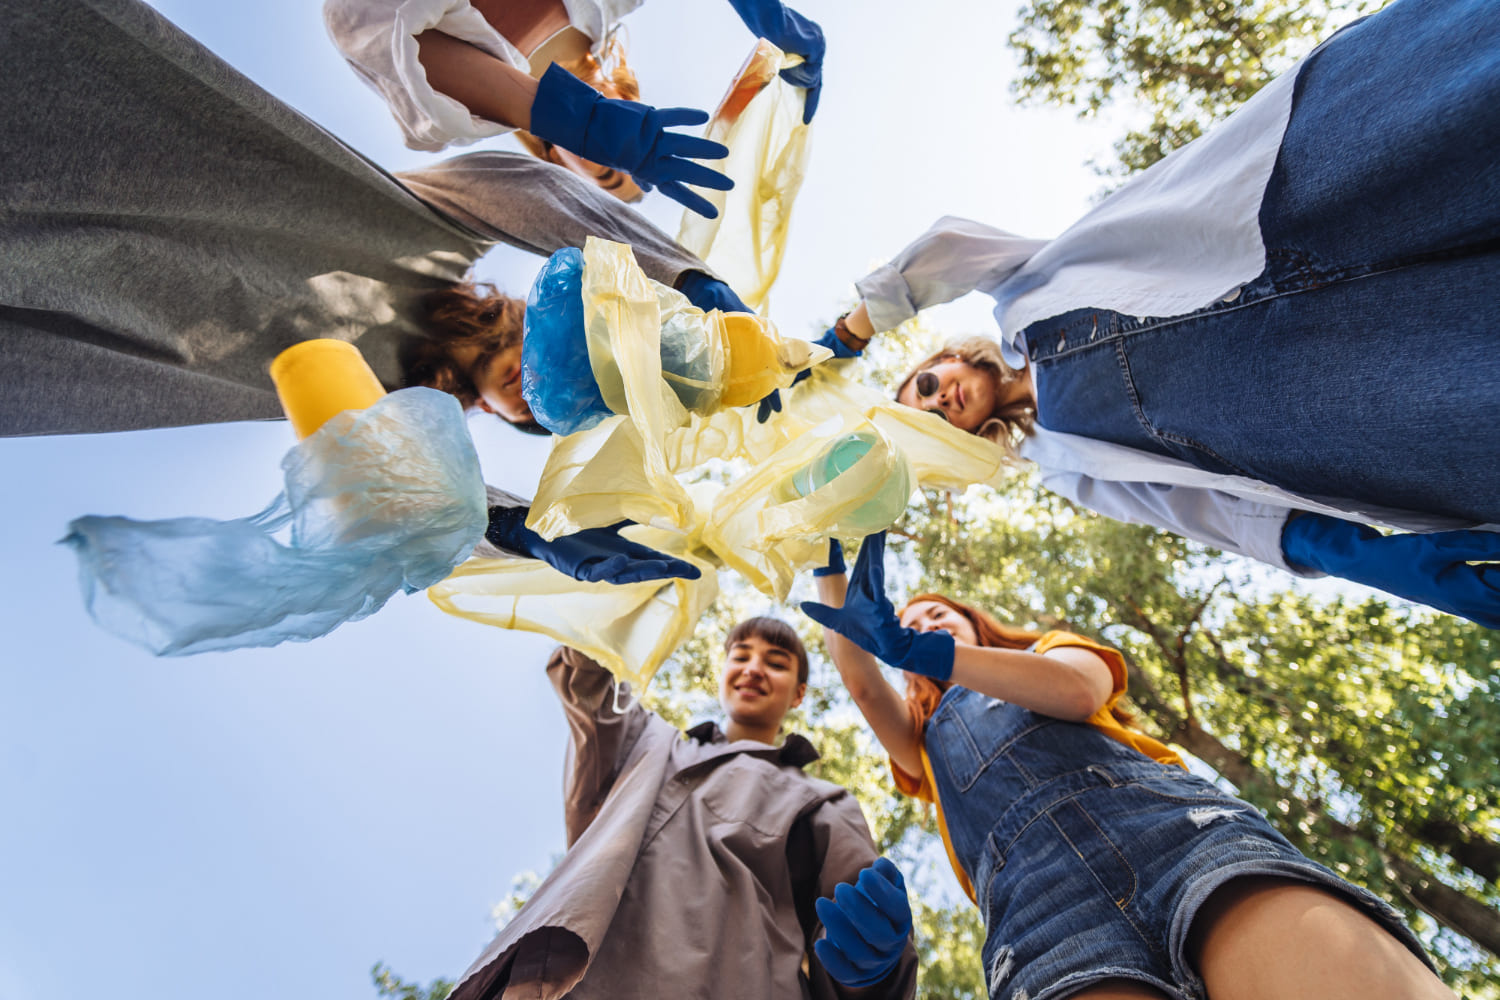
x=621 y=468
x=760 y=120
x=778 y=518
x=630 y=629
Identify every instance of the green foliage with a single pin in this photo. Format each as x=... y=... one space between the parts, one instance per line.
x=388 y=984
x=1183 y=64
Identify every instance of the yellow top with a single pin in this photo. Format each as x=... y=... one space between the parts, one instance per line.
x=925 y=786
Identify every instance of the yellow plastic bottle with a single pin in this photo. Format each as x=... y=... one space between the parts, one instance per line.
x=318 y=379
x=755 y=366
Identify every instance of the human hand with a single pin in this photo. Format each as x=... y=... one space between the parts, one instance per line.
x=868 y=620
x=790 y=32
x=629 y=135
x=867 y=925
x=594 y=555
x=1432 y=569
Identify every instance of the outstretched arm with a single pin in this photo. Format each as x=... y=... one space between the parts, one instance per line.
x=881 y=704
x=1065 y=683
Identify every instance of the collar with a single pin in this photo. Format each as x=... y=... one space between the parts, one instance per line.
x=794 y=750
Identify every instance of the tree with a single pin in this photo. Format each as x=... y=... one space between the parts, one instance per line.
x=388 y=984
x=1183 y=63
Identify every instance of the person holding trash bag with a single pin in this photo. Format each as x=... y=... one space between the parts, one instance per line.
x=704 y=864
x=1277 y=336
x=455 y=72
x=1104 y=869
x=171 y=228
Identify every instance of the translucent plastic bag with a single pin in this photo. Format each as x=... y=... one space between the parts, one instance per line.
x=378 y=500
x=624 y=467
x=843 y=479
x=556 y=379
x=629 y=629
x=760 y=120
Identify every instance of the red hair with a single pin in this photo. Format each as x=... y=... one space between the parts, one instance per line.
x=924 y=693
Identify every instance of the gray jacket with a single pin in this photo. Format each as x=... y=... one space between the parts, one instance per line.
x=692 y=866
x=167 y=228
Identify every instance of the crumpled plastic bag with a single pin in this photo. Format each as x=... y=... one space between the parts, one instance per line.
x=630 y=629
x=378 y=500
x=620 y=468
x=556 y=379
x=760 y=120
x=842 y=479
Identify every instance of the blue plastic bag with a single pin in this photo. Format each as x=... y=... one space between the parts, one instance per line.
x=557 y=381
x=378 y=500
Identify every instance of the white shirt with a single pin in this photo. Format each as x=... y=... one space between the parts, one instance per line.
x=378 y=38
x=1170 y=241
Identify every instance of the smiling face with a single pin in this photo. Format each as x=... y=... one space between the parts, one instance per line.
x=935 y=616
x=954 y=389
x=759 y=685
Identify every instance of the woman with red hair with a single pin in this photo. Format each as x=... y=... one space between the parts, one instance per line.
x=1103 y=868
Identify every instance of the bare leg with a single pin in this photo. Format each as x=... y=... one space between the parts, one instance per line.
x=1264 y=937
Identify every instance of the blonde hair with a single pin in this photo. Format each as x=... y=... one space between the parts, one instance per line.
x=612 y=78
x=1007 y=424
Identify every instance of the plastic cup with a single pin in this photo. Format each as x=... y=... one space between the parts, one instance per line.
x=317 y=379
x=754 y=367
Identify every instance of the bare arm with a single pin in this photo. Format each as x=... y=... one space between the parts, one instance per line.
x=1069 y=683
x=881 y=704
x=485 y=85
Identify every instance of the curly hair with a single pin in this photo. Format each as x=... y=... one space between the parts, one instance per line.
x=924 y=693
x=468 y=314
x=612 y=78
x=1007 y=424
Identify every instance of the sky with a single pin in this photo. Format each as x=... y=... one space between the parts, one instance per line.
x=272 y=822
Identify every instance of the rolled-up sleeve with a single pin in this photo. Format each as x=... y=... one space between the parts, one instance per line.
x=954 y=257
x=378 y=38
x=603 y=726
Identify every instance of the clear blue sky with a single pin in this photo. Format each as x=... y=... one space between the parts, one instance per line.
x=269 y=823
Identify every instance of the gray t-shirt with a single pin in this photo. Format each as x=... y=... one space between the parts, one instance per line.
x=167 y=228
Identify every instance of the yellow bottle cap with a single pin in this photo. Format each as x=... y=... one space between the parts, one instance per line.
x=317 y=379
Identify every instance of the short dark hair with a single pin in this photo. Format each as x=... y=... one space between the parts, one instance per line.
x=774 y=632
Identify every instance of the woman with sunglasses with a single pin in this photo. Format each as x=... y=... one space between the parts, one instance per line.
x=1276 y=337
x=1103 y=868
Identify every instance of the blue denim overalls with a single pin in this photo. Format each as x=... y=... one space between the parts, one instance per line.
x=1088 y=858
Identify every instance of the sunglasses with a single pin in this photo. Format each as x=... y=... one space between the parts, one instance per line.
x=928 y=384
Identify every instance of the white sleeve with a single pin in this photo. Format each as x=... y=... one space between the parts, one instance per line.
x=1213 y=517
x=954 y=257
x=378 y=38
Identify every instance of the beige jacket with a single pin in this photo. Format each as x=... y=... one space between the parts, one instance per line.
x=692 y=866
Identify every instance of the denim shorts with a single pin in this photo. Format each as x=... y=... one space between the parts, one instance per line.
x=1363 y=364
x=1101 y=876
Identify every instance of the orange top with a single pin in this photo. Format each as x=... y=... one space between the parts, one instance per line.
x=925 y=786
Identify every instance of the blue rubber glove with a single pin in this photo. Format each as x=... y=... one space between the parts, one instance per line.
x=835 y=565
x=790 y=32
x=709 y=293
x=1432 y=569
x=868 y=620
x=594 y=555
x=631 y=136
x=767 y=406
x=867 y=925
x=829 y=339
